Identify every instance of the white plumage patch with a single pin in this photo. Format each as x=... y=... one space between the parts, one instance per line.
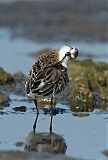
x=41 y=84
x=62 y=54
x=63 y=51
x=32 y=95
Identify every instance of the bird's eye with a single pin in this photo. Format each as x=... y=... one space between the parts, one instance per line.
x=71 y=47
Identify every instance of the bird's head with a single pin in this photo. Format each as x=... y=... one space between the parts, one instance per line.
x=67 y=53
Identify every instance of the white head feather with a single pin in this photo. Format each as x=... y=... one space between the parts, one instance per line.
x=67 y=49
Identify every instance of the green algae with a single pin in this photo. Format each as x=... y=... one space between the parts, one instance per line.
x=6 y=78
x=105 y=153
x=88 y=85
x=4 y=99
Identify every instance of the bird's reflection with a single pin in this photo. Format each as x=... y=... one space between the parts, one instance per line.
x=45 y=142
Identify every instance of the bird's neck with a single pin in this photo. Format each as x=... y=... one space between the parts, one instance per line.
x=65 y=61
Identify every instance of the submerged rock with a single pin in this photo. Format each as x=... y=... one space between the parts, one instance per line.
x=20 y=109
x=17 y=155
x=45 y=142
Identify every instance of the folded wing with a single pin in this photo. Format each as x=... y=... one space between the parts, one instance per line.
x=48 y=81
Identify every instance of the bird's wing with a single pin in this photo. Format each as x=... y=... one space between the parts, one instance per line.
x=45 y=76
x=47 y=81
x=44 y=80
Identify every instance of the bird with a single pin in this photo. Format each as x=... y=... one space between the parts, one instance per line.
x=48 y=77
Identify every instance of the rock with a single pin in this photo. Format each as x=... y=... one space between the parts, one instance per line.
x=5 y=78
x=45 y=102
x=105 y=152
x=18 y=155
x=19 y=76
x=45 y=142
x=20 y=80
x=88 y=85
x=14 y=83
x=20 y=109
x=4 y=99
x=19 y=144
x=3 y=113
x=81 y=99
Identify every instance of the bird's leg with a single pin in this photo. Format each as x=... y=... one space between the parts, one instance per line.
x=51 y=123
x=35 y=101
x=34 y=126
x=51 y=102
x=51 y=115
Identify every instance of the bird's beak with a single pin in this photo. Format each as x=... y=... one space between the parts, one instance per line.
x=74 y=54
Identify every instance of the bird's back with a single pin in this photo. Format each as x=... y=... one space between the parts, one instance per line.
x=47 y=76
x=48 y=58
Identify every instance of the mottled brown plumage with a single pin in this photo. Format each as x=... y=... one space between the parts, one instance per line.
x=48 y=58
x=49 y=71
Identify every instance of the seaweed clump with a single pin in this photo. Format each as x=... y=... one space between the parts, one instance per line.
x=6 y=78
x=88 y=85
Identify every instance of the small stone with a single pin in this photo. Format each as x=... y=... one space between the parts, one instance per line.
x=19 y=144
x=20 y=109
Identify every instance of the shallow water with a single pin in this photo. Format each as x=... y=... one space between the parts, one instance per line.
x=85 y=137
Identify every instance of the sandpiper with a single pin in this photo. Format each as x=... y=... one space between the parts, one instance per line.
x=48 y=76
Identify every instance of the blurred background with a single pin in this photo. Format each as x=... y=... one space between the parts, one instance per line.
x=28 y=27
x=53 y=20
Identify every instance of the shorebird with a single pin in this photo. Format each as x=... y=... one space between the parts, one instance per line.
x=48 y=76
